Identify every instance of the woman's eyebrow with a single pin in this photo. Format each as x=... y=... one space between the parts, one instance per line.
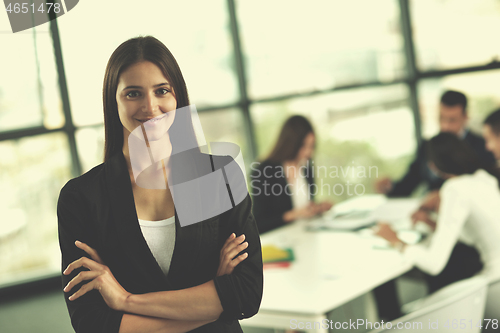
x=161 y=84
x=155 y=86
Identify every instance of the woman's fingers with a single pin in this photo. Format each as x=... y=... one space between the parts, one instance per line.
x=230 y=255
x=232 y=245
x=229 y=245
x=82 y=262
x=83 y=290
x=238 y=259
x=235 y=262
x=229 y=239
x=93 y=253
x=85 y=275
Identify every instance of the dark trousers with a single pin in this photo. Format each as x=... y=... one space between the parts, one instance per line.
x=464 y=262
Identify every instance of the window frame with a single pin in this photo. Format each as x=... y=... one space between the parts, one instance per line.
x=243 y=103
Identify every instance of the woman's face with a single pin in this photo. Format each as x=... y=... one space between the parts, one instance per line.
x=307 y=149
x=143 y=93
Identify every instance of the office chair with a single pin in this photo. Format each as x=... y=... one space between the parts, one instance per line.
x=458 y=307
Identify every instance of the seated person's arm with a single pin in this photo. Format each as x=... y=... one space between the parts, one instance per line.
x=453 y=212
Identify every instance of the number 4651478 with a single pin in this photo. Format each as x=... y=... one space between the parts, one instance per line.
x=25 y=8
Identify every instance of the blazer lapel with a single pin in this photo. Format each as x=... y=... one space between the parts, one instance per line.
x=188 y=240
x=127 y=227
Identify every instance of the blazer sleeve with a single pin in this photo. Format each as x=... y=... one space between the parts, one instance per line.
x=267 y=208
x=89 y=313
x=413 y=177
x=240 y=292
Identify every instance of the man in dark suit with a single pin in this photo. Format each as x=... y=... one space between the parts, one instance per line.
x=452 y=118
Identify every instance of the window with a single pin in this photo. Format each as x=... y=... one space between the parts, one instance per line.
x=355 y=135
x=199 y=42
x=29 y=93
x=342 y=64
x=294 y=46
x=458 y=33
x=33 y=171
x=226 y=126
x=90 y=143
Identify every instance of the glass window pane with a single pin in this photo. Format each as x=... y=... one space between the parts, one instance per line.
x=33 y=171
x=481 y=89
x=29 y=90
x=226 y=126
x=458 y=33
x=90 y=143
x=370 y=129
x=293 y=46
x=196 y=32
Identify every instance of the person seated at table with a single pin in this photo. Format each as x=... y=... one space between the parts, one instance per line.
x=452 y=119
x=281 y=184
x=470 y=206
x=491 y=133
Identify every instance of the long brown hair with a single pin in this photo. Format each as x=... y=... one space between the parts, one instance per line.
x=291 y=139
x=128 y=53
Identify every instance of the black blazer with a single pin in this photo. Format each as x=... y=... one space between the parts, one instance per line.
x=98 y=208
x=269 y=206
x=419 y=171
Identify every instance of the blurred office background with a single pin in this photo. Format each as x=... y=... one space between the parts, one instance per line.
x=368 y=74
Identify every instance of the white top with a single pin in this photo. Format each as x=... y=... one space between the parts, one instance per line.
x=300 y=192
x=470 y=205
x=160 y=236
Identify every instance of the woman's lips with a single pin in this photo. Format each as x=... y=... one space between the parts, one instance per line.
x=153 y=120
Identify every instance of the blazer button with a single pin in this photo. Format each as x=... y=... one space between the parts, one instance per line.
x=242 y=314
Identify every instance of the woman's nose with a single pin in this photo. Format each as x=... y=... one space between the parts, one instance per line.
x=150 y=105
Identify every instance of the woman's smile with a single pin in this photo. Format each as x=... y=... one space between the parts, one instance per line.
x=144 y=96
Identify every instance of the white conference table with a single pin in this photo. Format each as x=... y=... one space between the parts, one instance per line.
x=330 y=269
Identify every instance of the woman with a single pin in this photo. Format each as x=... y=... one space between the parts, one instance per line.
x=469 y=209
x=281 y=184
x=183 y=279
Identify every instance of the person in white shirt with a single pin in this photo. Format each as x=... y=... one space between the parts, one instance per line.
x=469 y=210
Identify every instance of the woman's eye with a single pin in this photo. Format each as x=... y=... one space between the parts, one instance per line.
x=133 y=94
x=163 y=91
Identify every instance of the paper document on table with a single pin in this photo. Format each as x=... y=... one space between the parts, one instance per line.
x=396 y=209
x=350 y=222
x=363 y=203
x=364 y=211
x=351 y=214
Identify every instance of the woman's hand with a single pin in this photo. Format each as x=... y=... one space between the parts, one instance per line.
x=383 y=185
x=231 y=248
x=309 y=210
x=423 y=216
x=385 y=231
x=102 y=279
x=431 y=202
x=324 y=206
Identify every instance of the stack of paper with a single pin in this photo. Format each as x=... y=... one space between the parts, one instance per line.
x=273 y=256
